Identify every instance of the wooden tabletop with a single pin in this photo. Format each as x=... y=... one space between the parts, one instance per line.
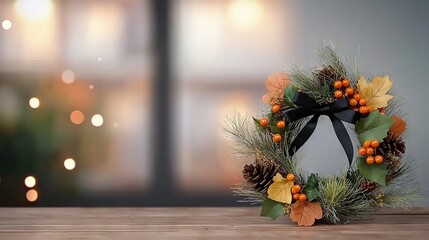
x=196 y=223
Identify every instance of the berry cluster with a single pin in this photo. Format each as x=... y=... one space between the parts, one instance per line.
x=264 y=122
x=355 y=100
x=368 y=149
x=296 y=189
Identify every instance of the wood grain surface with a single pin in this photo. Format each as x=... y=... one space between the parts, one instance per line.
x=196 y=223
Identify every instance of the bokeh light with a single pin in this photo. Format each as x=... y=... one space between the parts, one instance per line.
x=97 y=120
x=34 y=9
x=77 y=117
x=32 y=195
x=6 y=24
x=245 y=13
x=30 y=181
x=69 y=164
x=34 y=102
x=68 y=77
x=91 y=87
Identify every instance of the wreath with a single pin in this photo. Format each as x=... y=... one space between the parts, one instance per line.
x=380 y=174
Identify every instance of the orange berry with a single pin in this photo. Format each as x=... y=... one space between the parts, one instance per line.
x=349 y=91
x=370 y=160
x=263 y=121
x=379 y=159
x=369 y=151
x=277 y=138
x=296 y=196
x=338 y=84
x=362 y=151
x=367 y=144
x=296 y=189
x=375 y=143
x=346 y=83
x=363 y=110
x=281 y=124
x=362 y=101
x=369 y=108
x=302 y=197
x=357 y=97
x=290 y=177
x=338 y=94
x=353 y=102
x=275 y=108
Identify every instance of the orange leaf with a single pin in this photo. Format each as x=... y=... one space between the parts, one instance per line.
x=305 y=213
x=275 y=85
x=398 y=127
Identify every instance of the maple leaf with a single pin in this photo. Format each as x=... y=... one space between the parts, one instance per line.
x=275 y=85
x=398 y=127
x=375 y=92
x=279 y=190
x=305 y=213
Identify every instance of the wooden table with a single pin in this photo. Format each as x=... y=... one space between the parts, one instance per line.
x=196 y=223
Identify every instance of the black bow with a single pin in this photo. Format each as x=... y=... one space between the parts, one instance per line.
x=337 y=111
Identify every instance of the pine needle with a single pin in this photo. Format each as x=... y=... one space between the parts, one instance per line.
x=343 y=201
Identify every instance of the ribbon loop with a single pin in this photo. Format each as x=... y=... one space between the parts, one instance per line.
x=337 y=112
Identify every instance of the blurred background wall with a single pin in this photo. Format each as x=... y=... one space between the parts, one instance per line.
x=120 y=102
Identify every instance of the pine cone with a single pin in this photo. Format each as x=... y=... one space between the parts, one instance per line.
x=393 y=165
x=367 y=186
x=391 y=145
x=392 y=149
x=260 y=175
x=326 y=75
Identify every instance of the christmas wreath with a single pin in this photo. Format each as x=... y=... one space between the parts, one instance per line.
x=380 y=174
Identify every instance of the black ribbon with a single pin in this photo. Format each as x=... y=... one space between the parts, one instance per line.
x=337 y=111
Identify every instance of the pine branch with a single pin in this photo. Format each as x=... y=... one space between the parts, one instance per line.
x=248 y=194
x=404 y=187
x=343 y=201
x=247 y=140
x=308 y=84
x=395 y=106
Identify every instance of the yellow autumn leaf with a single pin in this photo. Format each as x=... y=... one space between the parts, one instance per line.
x=279 y=190
x=375 y=92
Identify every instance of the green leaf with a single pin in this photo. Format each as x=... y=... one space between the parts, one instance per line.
x=312 y=180
x=375 y=126
x=256 y=121
x=289 y=94
x=311 y=189
x=376 y=173
x=311 y=192
x=272 y=209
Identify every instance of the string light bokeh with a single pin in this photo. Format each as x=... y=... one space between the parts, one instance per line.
x=69 y=164
x=65 y=71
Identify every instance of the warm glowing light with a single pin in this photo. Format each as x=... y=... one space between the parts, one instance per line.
x=34 y=9
x=115 y=125
x=6 y=24
x=245 y=13
x=77 y=117
x=91 y=87
x=97 y=120
x=32 y=195
x=30 y=181
x=69 y=164
x=68 y=77
x=34 y=102
x=99 y=59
